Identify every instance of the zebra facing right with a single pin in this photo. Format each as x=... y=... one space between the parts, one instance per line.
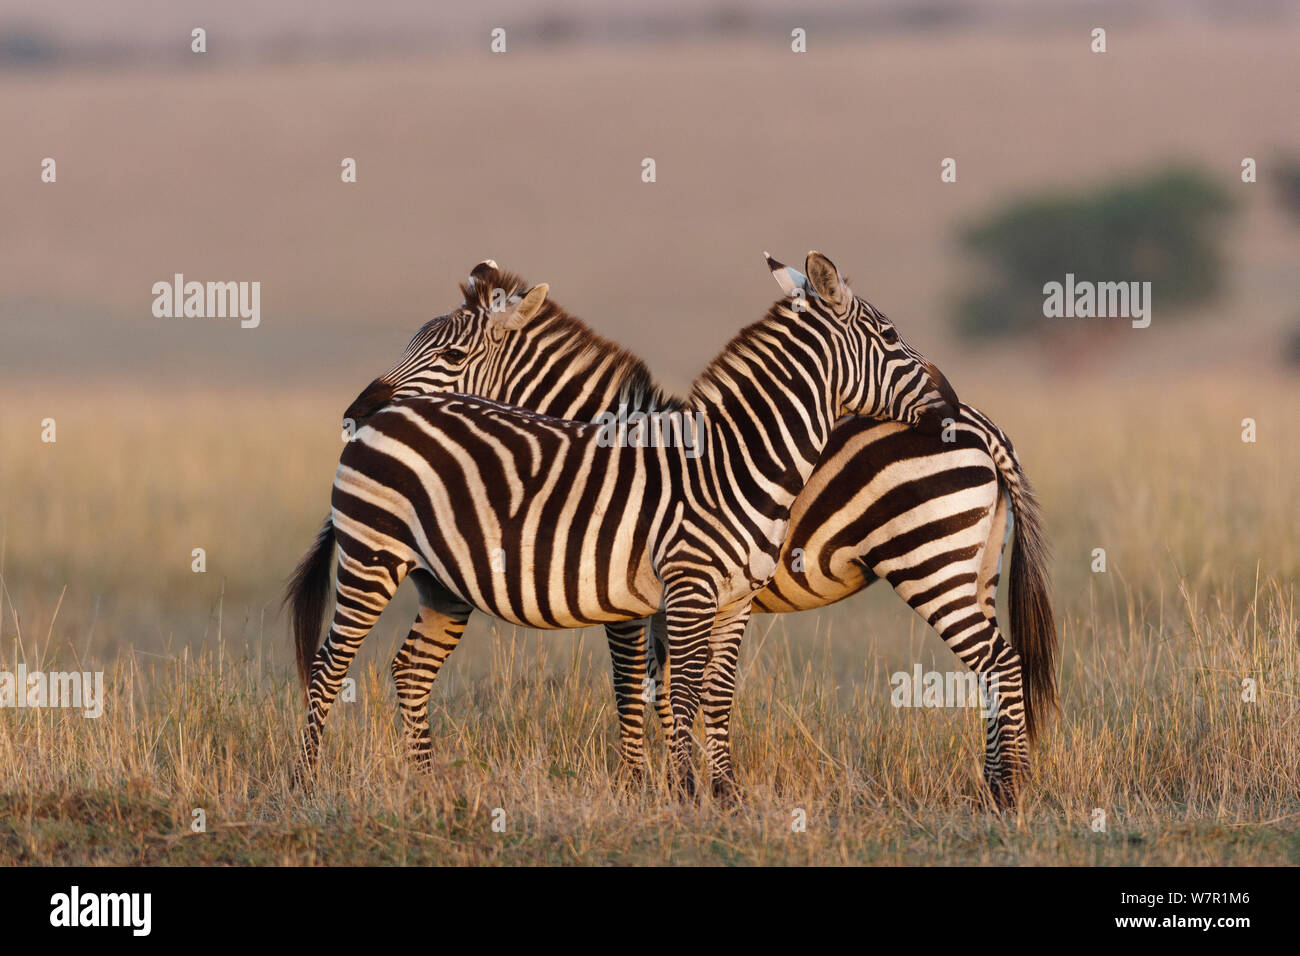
x=432 y=487
x=929 y=514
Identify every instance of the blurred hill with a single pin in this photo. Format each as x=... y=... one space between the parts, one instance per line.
x=228 y=169
x=128 y=30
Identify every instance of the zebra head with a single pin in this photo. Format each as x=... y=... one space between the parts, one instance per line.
x=881 y=376
x=454 y=352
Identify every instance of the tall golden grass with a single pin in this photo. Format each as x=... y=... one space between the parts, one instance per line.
x=203 y=712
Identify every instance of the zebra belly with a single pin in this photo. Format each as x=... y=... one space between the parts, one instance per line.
x=526 y=518
x=564 y=588
x=884 y=501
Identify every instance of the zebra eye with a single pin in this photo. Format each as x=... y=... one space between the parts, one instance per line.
x=889 y=335
x=453 y=355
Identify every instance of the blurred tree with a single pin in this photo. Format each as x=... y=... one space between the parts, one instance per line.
x=1292 y=351
x=23 y=47
x=1288 y=183
x=1163 y=228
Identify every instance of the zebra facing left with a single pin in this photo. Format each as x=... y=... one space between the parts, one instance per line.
x=435 y=487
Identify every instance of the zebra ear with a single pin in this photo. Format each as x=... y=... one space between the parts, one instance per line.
x=792 y=282
x=525 y=310
x=825 y=280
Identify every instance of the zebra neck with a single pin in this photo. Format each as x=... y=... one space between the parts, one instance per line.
x=768 y=398
x=570 y=372
x=770 y=440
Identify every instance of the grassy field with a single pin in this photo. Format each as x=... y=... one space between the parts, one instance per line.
x=202 y=710
x=181 y=435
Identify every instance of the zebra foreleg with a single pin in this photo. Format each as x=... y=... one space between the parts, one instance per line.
x=360 y=596
x=633 y=685
x=437 y=631
x=690 y=608
x=719 y=694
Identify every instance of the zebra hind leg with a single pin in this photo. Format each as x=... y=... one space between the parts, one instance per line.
x=657 y=672
x=435 y=634
x=982 y=647
x=1006 y=743
x=361 y=593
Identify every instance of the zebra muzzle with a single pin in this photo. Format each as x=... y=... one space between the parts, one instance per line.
x=946 y=390
x=931 y=420
x=376 y=395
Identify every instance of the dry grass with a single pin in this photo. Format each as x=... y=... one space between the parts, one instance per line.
x=1200 y=531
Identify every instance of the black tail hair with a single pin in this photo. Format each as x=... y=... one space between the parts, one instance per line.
x=1033 y=625
x=308 y=594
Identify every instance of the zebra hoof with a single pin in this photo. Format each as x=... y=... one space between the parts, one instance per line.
x=728 y=794
x=1005 y=791
x=424 y=766
x=683 y=786
x=629 y=776
x=302 y=780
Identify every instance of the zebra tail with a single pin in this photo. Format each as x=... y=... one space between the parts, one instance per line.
x=1033 y=625
x=308 y=593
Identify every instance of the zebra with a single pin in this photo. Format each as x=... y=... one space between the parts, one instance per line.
x=436 y=486
x=929 y=516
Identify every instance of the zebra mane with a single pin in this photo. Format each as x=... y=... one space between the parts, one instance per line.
x=710 y=381
x=630 y=370
x=579 y=340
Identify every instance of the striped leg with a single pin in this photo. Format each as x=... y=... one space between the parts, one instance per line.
x=719 y=694
x=435 y=634
x=980 y=645
x=958 y=596
x=690 y=609
x=654 y=666
x=657 y=671
x=634 y=684
x=360 y=596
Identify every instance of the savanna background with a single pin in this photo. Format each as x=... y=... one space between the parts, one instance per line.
x=176 y=434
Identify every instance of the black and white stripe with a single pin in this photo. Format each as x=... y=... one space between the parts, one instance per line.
x=926 y=513
x=534 y=520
